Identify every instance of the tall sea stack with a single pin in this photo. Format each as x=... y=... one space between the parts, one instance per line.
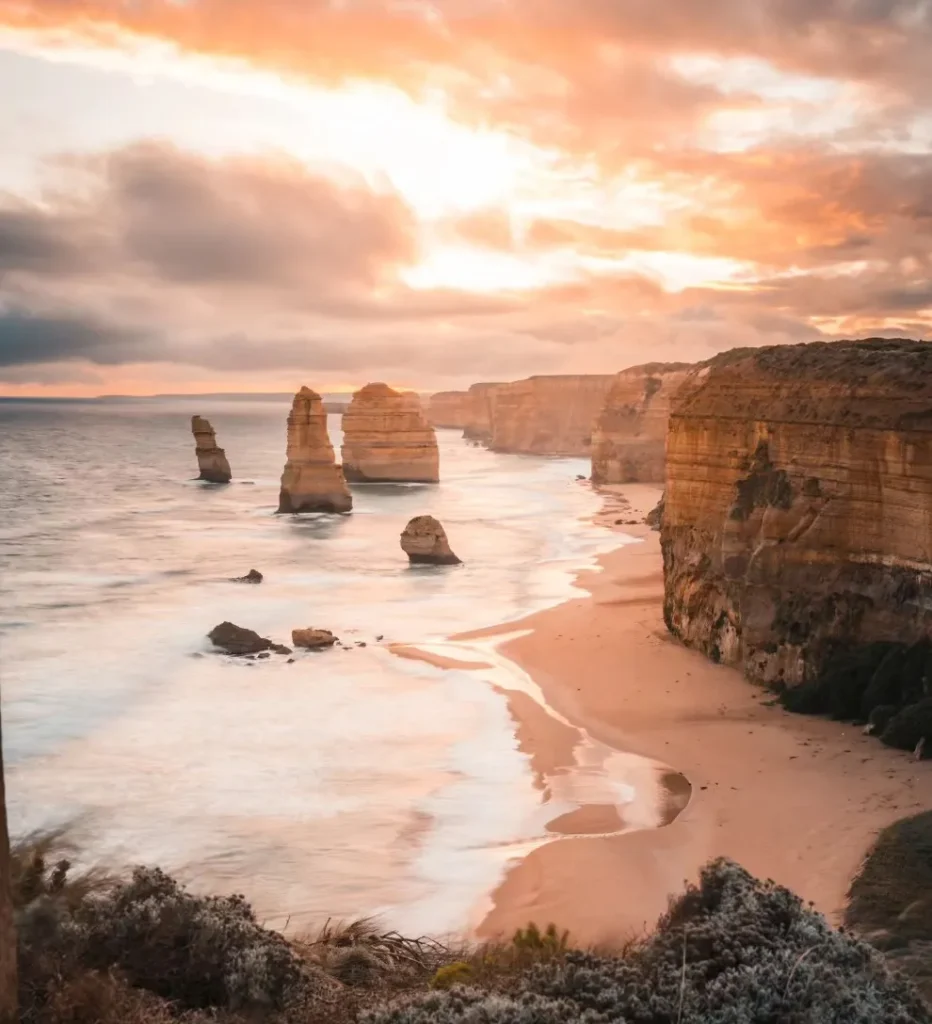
x=797 y=529
x=386 y=437
x=312 y=481
x=630 y=432
x=211 y=460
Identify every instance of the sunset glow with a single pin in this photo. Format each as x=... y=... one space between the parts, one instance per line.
x=285 y=185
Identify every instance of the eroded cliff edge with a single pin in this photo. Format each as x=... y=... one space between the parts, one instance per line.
x=449 y=409
x=629 y=435
x=797 y=531
x=547 y=415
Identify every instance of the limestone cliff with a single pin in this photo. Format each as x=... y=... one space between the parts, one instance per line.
x=797 y=528
x=211 y=460
x=386 y=437
x=480 y=404
x=449 y=409
x=630 y=432
x=547 y=415
x=311 y=482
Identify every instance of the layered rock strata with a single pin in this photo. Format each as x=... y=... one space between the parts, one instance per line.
x=797 y=525
x=386 y=437
x=211 y=460
x=480 y=409
x=424 y=541
x=630 y=432
x=311 y=481
x=449 y=410
x=552 y=415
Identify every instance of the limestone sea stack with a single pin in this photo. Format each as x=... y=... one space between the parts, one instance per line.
x=424 y=541
x=630 y=432
x=797 y=523
x=211 y=460
x=547 y=415
x=312 y=481
x=386 y=437
x=449 y=409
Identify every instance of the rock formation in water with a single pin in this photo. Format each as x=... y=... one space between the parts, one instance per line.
x=211 y=460
x=312 y=481
x=386 y=437
x=551 y=415
x=424 y=541
x=312 y=639
x=449 y=409
x=253 y=576
x=480 y=403
x=797 y=525
x=630 y=432
x=239 y=641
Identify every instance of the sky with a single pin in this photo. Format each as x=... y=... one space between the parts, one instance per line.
x=251 y=195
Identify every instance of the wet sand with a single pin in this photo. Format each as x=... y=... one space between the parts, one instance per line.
x=792 y=798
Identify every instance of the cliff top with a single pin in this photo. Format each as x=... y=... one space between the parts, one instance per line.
x=650 y=368
x=377 y=390
x=877 y=383
x=307 y=394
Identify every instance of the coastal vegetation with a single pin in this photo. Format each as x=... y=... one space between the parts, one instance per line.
x=98 y=949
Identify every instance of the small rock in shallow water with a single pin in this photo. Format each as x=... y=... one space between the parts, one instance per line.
x=280 y=649
x=253 y=576
x=238 y=640
x=313 y=639
x=424 y=541
x=264 y=654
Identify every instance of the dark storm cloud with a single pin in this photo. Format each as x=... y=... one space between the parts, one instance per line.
x=34 y=338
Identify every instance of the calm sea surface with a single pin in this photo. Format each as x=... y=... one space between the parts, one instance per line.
x=350 y=782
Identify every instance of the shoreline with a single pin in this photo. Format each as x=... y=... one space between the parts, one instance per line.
x=790 y=797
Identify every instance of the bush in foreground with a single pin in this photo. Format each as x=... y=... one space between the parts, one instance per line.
x=733 y=950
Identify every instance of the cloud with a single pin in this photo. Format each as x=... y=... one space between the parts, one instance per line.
x=27 y=337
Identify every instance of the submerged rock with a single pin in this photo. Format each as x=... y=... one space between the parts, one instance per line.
x=313 y=639
x=211 y=460
x=253 y=576
x=424 y=541
x=386 y=437
x=311 y=481
x=238 y=640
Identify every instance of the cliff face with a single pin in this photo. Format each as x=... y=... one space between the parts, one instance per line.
x=449 y=409
x=797 y=529
x=630 y=433
x=480 y=404
x=311 y=481
x=387 y=437
x=211 y=460
x=551 y=415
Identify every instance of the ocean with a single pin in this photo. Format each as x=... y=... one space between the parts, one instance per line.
x=348 y=783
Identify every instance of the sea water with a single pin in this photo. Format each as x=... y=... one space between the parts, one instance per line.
x=344 y=784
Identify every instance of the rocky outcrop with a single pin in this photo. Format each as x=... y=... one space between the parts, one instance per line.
x=424 y=541
x=480 y=407
x=253 y=576
x=797 y=523
x=386 y=437
x=313 y=639
x=211 y=460
x=449 y=409
x=312 y=481
x=239 y=641
x=547 y=415
x=630 y=432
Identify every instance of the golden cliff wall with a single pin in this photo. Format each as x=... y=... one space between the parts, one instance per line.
x=449 y=409
x=480 y=403
x=546 y=415
x=630 y=432
x=797 y=529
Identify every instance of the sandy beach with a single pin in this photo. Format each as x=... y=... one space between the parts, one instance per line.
x=792 y=798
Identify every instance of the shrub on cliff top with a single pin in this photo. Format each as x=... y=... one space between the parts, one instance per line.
x=733 y=950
